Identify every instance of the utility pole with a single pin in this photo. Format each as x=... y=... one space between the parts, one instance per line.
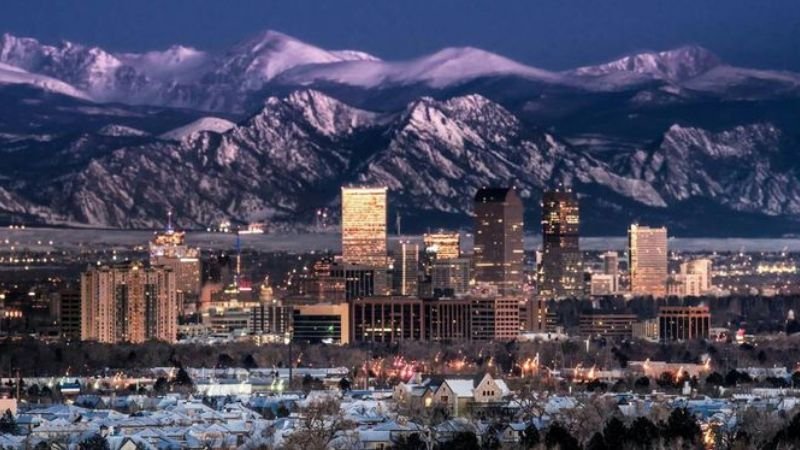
x=291 y=357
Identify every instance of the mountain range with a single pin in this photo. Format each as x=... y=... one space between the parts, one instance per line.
x=269 y=129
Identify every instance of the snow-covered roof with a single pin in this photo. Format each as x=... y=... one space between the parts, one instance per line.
x=460 y=387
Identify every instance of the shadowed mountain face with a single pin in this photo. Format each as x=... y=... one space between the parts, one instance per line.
x=271 y=128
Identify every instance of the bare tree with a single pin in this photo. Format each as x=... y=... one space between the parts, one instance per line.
x=318 y=425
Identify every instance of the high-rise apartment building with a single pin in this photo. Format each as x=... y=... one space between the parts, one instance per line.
x=647 y=250
x=364 y=226
x=561 y=272
x=405 y=270
x=128 y=303
x=499 y=251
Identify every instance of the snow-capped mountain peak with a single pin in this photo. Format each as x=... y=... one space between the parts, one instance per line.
x=674 y=65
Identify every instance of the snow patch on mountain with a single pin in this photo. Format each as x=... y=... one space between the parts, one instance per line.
x=672 y=65
x=15 y=75
x=443 y=68
x=213 y=124
x=121 y=130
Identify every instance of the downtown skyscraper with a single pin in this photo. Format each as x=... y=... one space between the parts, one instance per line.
x=561 y=271
x=499 y=251
x=647 y=251
x=364 y=226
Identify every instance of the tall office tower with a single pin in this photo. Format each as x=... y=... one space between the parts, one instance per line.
x=364 y=226
x=701 y=268
x=405 y=270
x=442 y=244
x=647 y=250
x=128 y=303
x=168 y=249
x=499 y=252
x=611 y=267
x=561 y=273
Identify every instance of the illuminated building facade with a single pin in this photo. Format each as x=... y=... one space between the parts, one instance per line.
x=499 y=251
x=447 y=320
x=494 y=319
x=561 y=271
x=536 y=317
x=611 y=268
x=169 y=249
x=647 y=250
x=442 y=245
x=364 y=226
x=321 y=323
x=607 y=325
x=405 y=269
x=387 y=319
x=702 y=269
x=681 y=323
x=128 y=303
x=450 y=277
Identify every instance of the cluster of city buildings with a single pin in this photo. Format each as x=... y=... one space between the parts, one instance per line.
x=386 y=290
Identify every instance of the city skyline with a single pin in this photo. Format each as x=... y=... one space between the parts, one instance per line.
x=350 y=224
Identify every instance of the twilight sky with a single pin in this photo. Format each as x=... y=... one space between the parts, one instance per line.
x=551 y=34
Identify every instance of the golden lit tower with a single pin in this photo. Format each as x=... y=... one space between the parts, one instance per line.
x=647 y=250
x=364 y=226
x=561 y=273
x=443 y=244
x=499 y=252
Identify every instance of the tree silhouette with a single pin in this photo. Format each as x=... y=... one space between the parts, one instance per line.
x=682 y=425
x=597 y=442
x=560 y=437
x=643 y=432
x=615 y=433
x=465 y=440
x=94 y=442
x=530 y=437
x=8 y=424
x=412 y=441
x=248 y=362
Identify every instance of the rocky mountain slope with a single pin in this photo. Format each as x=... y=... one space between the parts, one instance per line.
x=290 y=158
x=94 y=137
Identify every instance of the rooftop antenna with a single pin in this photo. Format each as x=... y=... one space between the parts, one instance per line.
x=238 y=259
x=169 y=220
x=397 y=221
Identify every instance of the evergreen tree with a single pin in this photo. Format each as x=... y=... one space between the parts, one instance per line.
x=682 y=425
x=643 y=432
x=530 y=437
x=411 y=442
x=615 y=433
x=8 y=424
x=94 y=442
x=597 y=442
x=559 y=437
x=464 y=440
